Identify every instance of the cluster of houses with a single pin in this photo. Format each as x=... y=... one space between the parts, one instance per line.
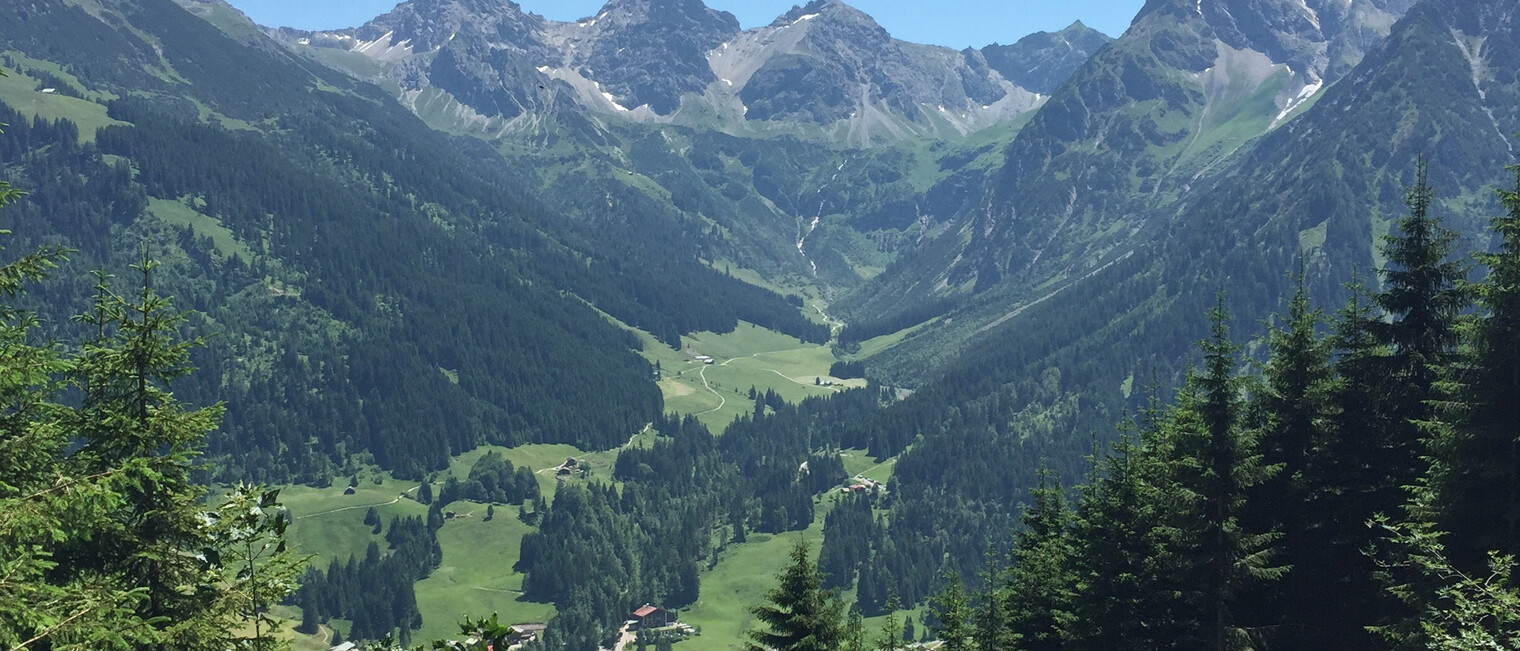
x=861 y=485
x=566 y=468
x=705 y=359
x=646 y=617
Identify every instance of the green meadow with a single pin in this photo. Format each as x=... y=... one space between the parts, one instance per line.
x=748 y=357
x=21 y=92
x=477 y=575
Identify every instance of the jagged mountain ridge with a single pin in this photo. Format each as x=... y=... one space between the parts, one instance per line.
x=1320 y=190
x=1189 y=83
x=824 y=63
x=338 y=244
x=552 y=97
x=1043 y=60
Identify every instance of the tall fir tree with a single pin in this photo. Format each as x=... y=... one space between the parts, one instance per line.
x=991 y=630
x=1124 y=559
x=890 y=637
x=48 y=503
x=952 y=614
x=1475 y=480
x=104 y=542
x=1215 y=466
x=854 y=636
x=1359 y=481
x=798 y=614
x=1038 y=583
x=1423 y=295
x=1293 y=409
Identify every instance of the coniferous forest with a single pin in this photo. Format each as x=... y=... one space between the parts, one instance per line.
x=1203 y=337
x=1351 y=491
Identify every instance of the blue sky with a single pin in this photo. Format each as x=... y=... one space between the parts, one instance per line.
x=956 y=23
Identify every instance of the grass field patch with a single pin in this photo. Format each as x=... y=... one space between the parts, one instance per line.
x=476 y=577
x=740 y=580
x=330 y=525
x=22 y=94
x=178 y=213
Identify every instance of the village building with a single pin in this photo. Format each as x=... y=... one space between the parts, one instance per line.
x=524 y=633
x=648 y=616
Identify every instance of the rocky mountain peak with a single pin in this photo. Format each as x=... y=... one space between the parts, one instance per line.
x=1319 y=39
x=828 y=10
x=823 y=63
x=428 y=24
x=1042 y=60
x=625 y=13
x=649 y=52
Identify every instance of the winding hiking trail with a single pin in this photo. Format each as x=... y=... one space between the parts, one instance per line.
x=723 y=401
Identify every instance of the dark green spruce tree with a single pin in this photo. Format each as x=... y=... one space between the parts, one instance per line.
x=127 y=416
x=1124 y=560
x=1476 y=475
x=1423 y=296
x=1450 y=559
x=798 y=614
x=890 y=638
x=1038 y=584
x=1357 y=484
x=952 y=615
x=1215 y=466
x=1292 y=411
x=854 y=636
x=990 y=630
x=1390 y=361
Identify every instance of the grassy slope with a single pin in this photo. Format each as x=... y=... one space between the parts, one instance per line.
x=476 y=577
x=329 y=524
x=740 y=580
x=177 y=213
x=749 y=356
x=20 y=91
x=746 y=572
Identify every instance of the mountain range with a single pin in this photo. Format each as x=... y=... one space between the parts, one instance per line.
x=458 y=223
x=826 y=65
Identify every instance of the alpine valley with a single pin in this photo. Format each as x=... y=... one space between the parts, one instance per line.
x=555 y=320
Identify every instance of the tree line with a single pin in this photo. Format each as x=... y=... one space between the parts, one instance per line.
x=1358 y=492
x=106 y=539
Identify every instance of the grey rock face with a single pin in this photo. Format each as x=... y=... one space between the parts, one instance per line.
x=650 y=52
x=824 y=63
x=844 y=60
x=1044 y=60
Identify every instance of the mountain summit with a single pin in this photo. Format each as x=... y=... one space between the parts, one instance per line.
x=1188 y=84
x=1042 y=60
x=828 y=62
x=824 y=64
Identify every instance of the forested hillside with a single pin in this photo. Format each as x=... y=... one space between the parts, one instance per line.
x=390 y=257
x=376 y=289
x=1050 y=379
x=1355 y=492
